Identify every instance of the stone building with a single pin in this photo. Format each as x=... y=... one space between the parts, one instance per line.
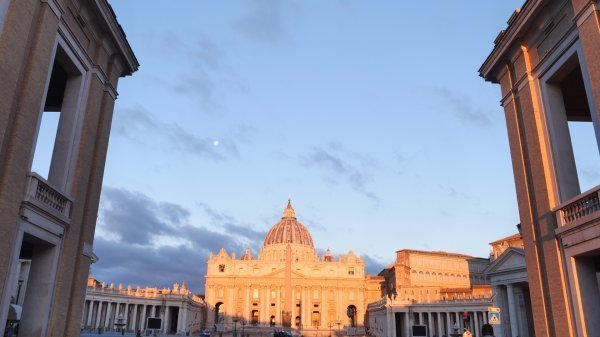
x=110 y=308
x=287 y=285
x=508 y=275
x=546 y=62
x=444 y=291
x=61 y=58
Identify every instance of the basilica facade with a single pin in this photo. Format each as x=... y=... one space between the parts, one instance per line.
x=288 y=285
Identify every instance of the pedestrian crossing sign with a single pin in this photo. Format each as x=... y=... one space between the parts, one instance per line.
x=494 y=317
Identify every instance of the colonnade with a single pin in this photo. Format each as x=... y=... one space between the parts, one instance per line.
x=103 y=315
x=439 y=323
x=515 y=309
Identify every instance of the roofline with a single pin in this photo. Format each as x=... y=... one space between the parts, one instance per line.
x=118 y=35
x=516 y=24
x=434 y=253
x=516 y=236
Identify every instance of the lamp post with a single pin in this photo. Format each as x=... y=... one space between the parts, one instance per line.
x=235 y=320
x=339 y=323
x=243 y=323
x=20 y=282
x=330 y=325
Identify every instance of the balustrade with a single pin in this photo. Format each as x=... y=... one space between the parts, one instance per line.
x=584 y=206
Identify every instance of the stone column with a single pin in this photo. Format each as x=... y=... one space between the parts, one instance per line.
x=183 y=313
x=126 y=317
x=90 y=310
x=134 y=324
x=440 y=324
x=246 y=314
x=390 y=317
x=278 y=318
x=406 y=324
x=512 y=311
x=430 y=326
x=98 y=316
x=448 y=323
x=293 y=306
x=153 y=311
x=393 y=323
x=142 y=325
x=303 y=306
x=107 y=319
x=166 y=319
x=180 y=323
x=477 y=327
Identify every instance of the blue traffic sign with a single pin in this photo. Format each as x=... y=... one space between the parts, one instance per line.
x=494 y=317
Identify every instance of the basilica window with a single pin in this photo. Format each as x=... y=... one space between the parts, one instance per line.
x=273 y=294
x=315 y=294
x=255 y=293
x=221 y=268
x=350 y=271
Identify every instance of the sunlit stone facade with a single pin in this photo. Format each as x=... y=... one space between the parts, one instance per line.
x=446 y=292
x=288 y=285
x=109 y=308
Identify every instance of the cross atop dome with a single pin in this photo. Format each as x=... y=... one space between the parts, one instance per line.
x=289 y=210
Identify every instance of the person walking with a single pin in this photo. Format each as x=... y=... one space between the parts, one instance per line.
x=487 y=330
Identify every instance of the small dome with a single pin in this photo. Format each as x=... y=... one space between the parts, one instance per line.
x=289 y=230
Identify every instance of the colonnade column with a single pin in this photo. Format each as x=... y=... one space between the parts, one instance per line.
x=166 y=320
x=153 y=312
x=406 y=324
x=440 y=324
x=512 y=311
x=390 y=317
x=108 y=313
x=430 y=325
x=98 y=315
x=278 y=318
x=477 y=328
x=143 y=318
x=180 y=319
x=90 y=310
x=448 y=323
x=134 y=321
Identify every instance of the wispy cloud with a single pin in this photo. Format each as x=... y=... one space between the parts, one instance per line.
x=137 y=236
x=134 y=123
x=263 y=21
x=462 y=108
x=341 y=165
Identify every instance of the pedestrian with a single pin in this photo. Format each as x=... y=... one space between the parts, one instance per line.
x=487 y=330
x=467 y=333
x=138 y=334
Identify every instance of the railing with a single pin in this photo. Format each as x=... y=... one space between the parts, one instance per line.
x=580 y=207
x=40 y=193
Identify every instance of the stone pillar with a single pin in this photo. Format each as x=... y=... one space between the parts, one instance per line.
x=88 y=322
x=142 y=325
x=303 y=306
x=440 y=324
x=293 y=311
x=430 y=325
x=165 y=315
x=406 y=324
x=393 y=323
x=183 y=313
x=390 y=317
x=97 y=323
x=512 y=311
x=246 y=314
x=153 y=311
x=180 y=323
x=107 y=319
x=477 y=327
x=278 y=318
x=448 y=323
x=134 y=324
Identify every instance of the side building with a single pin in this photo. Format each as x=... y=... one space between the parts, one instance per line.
x=287 y=286
x=60 y=60
x=110 y=308
x=445 y=292
x=546 y=65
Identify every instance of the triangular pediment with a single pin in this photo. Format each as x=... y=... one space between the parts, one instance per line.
x=512 y=259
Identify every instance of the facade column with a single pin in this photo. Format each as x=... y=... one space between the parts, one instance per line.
x=126 y=317
x=246 y=314
x=88 y=322
x=512 y=311
x=485 y=317
x=107 y=319
x=393 y=323
x=183 y=310
x=303 y=306
x=166 y=319
x=293 y=320
x=278 y=318
x=98 y=316
x=390 y=317
x=180 y=323
x=134 y=321
x=430 y=325
x=406 y=324
x=477 y=327
x=153 y=311
x=440 y=324
x=143 y=318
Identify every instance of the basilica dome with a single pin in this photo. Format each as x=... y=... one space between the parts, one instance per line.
x=289 y=230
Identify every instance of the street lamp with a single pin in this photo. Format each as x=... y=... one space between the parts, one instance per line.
x=19 y=290
x=235 y=320
x=243 y=323
x=330 y=325
x=339 y=323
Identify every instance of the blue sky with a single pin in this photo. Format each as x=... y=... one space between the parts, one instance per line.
x=370 y=114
